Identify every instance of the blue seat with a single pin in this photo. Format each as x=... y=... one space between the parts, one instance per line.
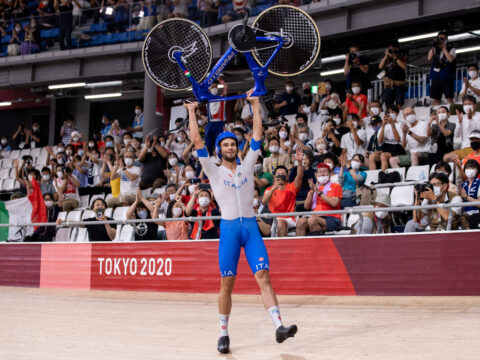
x=6 y=39
x=108 y=39
x=123 y=37
x=10 y=27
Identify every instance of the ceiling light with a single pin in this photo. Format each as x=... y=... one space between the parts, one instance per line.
x=220 y=86
x=467 y=49
x=417 y=37
x=331 y=72
x=104 y=84
x=5 y=103
x=66 y=86
x=102 y=96
x=333 y=59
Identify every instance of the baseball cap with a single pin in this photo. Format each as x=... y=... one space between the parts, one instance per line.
x=475 y=134
x=383 y=199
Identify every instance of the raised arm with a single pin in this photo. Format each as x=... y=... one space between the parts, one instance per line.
x=193 y=126
x=257 y=116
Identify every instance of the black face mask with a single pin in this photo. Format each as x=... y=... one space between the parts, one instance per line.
x=475 y=145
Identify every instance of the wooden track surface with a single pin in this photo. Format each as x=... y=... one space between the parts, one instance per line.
x=62 y=324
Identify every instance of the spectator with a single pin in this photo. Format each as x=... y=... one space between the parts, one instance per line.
x=46 y=233
x=289 y=102
x=434 y=219
x=415 y=134
x=32 y=41
x=470 y=191
x=376 y=222
x=236 y=10
x=4 y=144
x=180 y=8
x=442 y=71
x=242 y=141
x=352 y=179
x=281 y=197
x=323 y=196
x=149 y=17
x=36 y=136
x=67 y=129
x=355 y=141
x=356 y=102
x=440 y=131
x=137 y=126
x=66 y=185
x=65 y=21
x=121 y=12
x=332 y=135
x=247 y=112
x=175 y=230
x=20 y=136
x=264 y=224
x=468 y=122
x=174 y=169
x=394 y=64
x=331 y=104
x=307 y=102
x=106 y=125
x=308 y=173
x=445 y=168
x=153 y=156
x=99 y=232
x=109 y=142
x=374 y=151
x=275 y=159
x=46 y=184
x=94 y=172
x=263 y=179
x=301 y=136
x=129 y=180
x=77 y=12
x=356 y=69
x=142 y=209
x=475 y=145
x=471 y=87
x=389 y=137
x=177 y=143
x=80 y=171
x=18 y=35
x=285 y=139
x=117 y=133
x=201 y=204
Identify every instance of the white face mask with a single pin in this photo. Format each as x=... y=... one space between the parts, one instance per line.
x=442 y=116
x=303 y=136
x=393 y=116
x=239 y=138
x=283 y=134
x=127 y=141
x=142 y=214
x=356 y=90
x=4 y=142
x=437 y=191
x=411 y=118
x=191 y=189
x=273 y=148
x=355 y=124
x=355 y=165
x=381 y=214
x=68 y=152
x=189 y=174
x=179 y=138
x=468 y=108
x=288 y=89
x=30 y=178
x=473 y=74
x=128 y=161
x=48 y=203
x=257 y=168
x=337 y=120
x=177 y=212
x=255 y=202
x=138 y=111
x=203 y=201
x=162 y=143
x=328 y=86
x=18 y=29
x=35 y=128
x=172 y=197
x=45 y=177
x=60 y=174
x=200 y=122
x=321 y=147
x=322 y=180
x=214 y=91
x=375 y=110
x=173 y=161
x=91 y=145
x=471 y=173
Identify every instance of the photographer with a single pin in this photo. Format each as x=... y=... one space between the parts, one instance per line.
x=436 y=191
x=356 y=69
x=394 y=65
x=442 y=71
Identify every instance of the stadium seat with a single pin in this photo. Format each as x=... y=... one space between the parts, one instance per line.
x=82 y=235
x=402 y=195
x=109 y=212
x=6 y=154
x=401 y=171
x=12 y=172
x=63 y=234
x=372 y=176
x=35 y=152
x=74 y=215
x=418 y=173
x=352 y=219
x=120 y=213
x=1 y=184
x=84 y=201
x=98 y=196
x=384 y=190
x=24 y=152
x=15 y=154
x=8 y=184
x=109 y=196
x=7 y=163
x=4 y=173
x=126 y=233
x=6 y=39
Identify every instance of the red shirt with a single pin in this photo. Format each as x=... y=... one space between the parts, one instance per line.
x=352 y=109
x=334 y=191
x=283 y=201
x=471 y=156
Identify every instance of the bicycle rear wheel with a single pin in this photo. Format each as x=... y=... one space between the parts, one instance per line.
x=297 y=55
x=163 y=41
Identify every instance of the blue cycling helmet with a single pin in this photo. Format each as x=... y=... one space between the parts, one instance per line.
x=222 y=136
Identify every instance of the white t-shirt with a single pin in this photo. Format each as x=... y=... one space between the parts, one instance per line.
x=247 y=111
x=389 y=137
x=465 y=128
x=352 y=147
x=474 y=83
x=128 y=186
x=421 y=130
x=178 y=148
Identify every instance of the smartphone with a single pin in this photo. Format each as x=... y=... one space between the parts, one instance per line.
x=314 y=89
x=99 y=213
x=195 y=181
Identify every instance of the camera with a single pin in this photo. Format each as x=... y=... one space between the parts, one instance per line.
x=68 y=170
x=99 y=212
x=419 y=188
x=393 y=51
x=438 y=41
x=352 y=56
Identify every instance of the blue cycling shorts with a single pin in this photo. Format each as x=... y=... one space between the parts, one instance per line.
x=238 y=233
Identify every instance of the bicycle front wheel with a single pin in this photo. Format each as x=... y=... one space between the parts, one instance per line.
x=302 y=50
x=163 y=41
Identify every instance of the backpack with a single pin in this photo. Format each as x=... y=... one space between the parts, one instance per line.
x=387 y=178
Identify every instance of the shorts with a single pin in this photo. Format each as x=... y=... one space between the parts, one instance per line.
x=393 y=149
x=463 y=153
x=442 y=86
x=406 y=160
x=238 y=233
x=291 y=223
x=332 y=223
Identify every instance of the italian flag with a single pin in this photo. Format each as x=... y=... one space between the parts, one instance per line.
x=22 y=211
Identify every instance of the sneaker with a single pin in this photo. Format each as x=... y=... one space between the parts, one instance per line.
x=223 y=345
x=284 y=333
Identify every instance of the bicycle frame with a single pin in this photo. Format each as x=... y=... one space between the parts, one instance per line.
x=259 y=73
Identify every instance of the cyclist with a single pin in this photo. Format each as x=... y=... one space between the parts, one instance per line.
x=233 y=184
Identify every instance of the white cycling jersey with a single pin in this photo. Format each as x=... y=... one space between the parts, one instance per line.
x=233 y=192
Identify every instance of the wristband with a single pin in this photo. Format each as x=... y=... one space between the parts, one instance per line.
x=410 y=133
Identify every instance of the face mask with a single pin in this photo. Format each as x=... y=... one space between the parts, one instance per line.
x=437 y=191
x=376 y=127
x=337 y=120
x=375 y=110
x=18 y=29
x=288 y=89
x=332 y=104
x=172 y=197
x=35 y=128
x=393 y=116
x=475 y=145
x=81 y=152
x=471 y=173
x=48 y=203
x=109 y=144
x=127 y=141
x=68 y=152
x=323 y=179
x=138 y=111
x=473 y=74
x=411 y=118
x=60 y=161
x=355 y=165
x=94 y=156
x=381 y=214
x=356 y=90
x=355 y=124
x=442 y=116
x=257 y=168
x=60 y=174
x=239 y=138
x=321 y=147
x=203 y=201
x=273 y=148
x=177 y=212
x=200 y=122
x=75 y=139
x=142 y=214
x=255 y=202
x=191 y=189
x=30 y=178
x=468 y=108
x=128 y=161
x=283 y=134
x=328 y=86
x=91 y=145
x=303 y=136
x=214 y=91
x=45 y=177
x=173 y=161
x=189 y=174
x=4 y=142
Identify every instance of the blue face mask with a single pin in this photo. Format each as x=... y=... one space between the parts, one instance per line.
x=376 y=128
x=109 y=144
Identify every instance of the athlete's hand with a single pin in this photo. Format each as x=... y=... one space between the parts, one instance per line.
x=252 y=99
x=190 y=106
